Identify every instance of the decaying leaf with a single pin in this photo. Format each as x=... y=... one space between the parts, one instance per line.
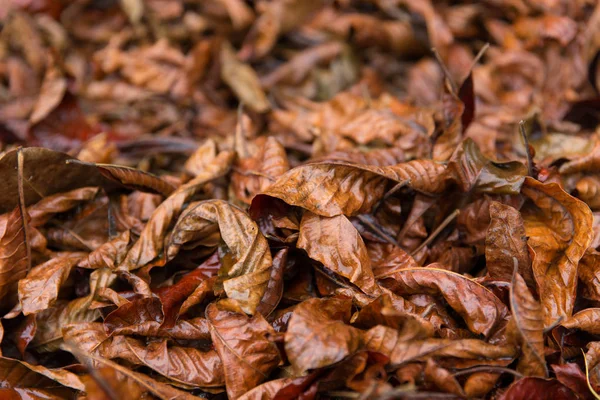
x=244 y=346
x=299 y=199
x=559 y=230
x=245 y=256
x=528 y=326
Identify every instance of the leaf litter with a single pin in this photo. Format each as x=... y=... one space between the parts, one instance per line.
x=294 y=199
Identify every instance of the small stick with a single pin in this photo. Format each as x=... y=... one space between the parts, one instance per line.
x=437 y=231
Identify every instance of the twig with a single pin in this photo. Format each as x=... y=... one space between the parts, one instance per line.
x=437 y=231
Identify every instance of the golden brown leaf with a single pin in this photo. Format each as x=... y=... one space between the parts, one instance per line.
x=505 y=242
x=335 y=242
x=479 y=307
x=151 y=242
x=244 y=346
x=318 y=336
x=559 y=231
x=246 y=259
x=527 y=325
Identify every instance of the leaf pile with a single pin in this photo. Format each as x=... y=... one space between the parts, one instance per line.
x=299 y=199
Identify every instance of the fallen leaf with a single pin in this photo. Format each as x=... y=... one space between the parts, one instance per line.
x=558 y=230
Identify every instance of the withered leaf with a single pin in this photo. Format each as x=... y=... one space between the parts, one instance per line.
x=244 y=345
x=109 y=254
x=246 y=261
x=46 y=172
x=243 y=80
x=528 y=326
x=559 y=231
x=158 y=389
x=473 y=171
x=315 y=325
x=135 y=179
x=39 y=290
x=388 y=342
x=505 y=242
x=335 y=242
x=15 y=373
x=151 y=242
x=256 y=173
x=334 y=188
x=13 y=254
x=479 y=307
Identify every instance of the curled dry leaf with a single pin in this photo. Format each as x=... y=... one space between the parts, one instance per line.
x=559 y=231
x=20 y=374
x=244 y=345
x=589 y=275
x=528 y=326
x=335 y=242
x=144 y=382
x=479 y=307
x=39 y=290
x=151 y=242
x=13 y=254
x=586 y=320
x=135 y=179
x=473 y=171
x=331 y=189
x=255 y=174
x=109 y=254
x=49 y=206
x=242 y=79
x=315 y=325
x=506 y=242
x=388 y=342
x=246 y=259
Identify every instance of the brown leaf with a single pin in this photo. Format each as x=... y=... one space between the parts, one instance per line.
x=589 y=275
x=135 y=179
x=505 y=242
x=109 y=254
x=528 y=326
x=49 y=334
x=151 y=242
x=559 y=231
x=442 y=379
x=318 y=336
x=274 y=290
x=39 y=290
x=243 y=80
x=45 y=172
x=245 y=257
x=586 y=320
x=479 y=307
x=244 y=346
x=387 y=341
x=15 y=373
x=255 y=174
x=473 y=171
x=335 y=242
x=184 y=365
x=331 y=189
x=51 y=94
x=158 y=389
x=46 y=208
x=13 y=255
x=587 y=163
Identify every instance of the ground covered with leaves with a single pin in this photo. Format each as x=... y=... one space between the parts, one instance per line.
x=312 y=199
